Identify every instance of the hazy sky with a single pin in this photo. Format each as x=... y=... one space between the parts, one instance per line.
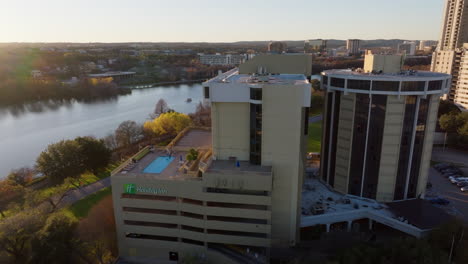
x=216 y=20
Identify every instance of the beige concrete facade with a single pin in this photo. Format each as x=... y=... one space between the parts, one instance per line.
x=232 y=129
x=384 y=63
x=391 y=148
x=275 y=63
x=378 y=129
x=344 y=143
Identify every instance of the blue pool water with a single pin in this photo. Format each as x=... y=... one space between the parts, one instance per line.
x=158 y=165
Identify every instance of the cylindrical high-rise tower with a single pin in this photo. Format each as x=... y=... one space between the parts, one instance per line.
x=378 y=128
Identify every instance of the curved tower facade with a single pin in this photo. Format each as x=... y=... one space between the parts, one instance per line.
x=378 y=128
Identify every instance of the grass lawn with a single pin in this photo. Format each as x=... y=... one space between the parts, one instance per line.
x=81 y=208
x=86 y=179
x=315 y=137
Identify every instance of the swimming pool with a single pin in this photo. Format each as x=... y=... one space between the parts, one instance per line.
x=158 y=165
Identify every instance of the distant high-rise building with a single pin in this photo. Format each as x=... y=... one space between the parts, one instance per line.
x=378 y=128
x=315 y=45
x=353 y=46
x=453 y=49
x=277 y=47
x=408 y=48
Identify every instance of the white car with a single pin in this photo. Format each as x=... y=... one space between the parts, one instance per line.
x=455 y=180
x=464 y=189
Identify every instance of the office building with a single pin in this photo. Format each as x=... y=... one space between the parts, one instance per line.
x=241 y=196
x=378 y=128
x=222 y=59
x=353 y=46
x=452 y=50
x=408 y=48
x=315 y=46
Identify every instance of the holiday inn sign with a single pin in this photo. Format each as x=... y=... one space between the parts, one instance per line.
x=134 y=189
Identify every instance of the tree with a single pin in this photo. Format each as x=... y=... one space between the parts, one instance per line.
x=50 y=200
x=21 y=176
x=192 y=155
x=55 y=242
x=452 y=121
x=168 y=123
x=17 y=231
x=202 y=115
x=61 y=160
x=128 y=133
x=98 y=233
x=96 y=154
x=110 y=141
x=315 y=84
x=9 y=192
x=446 y=107
x=161 y=108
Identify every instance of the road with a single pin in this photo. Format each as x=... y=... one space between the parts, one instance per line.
x=77 y=194
x=442 y=187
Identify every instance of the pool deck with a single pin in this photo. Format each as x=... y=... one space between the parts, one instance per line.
x=195 y=138
x=170 y=172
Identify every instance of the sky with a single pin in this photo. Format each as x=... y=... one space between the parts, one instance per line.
x=217 y=20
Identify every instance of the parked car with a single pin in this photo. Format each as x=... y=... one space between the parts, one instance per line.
x=462 y=183
x=440 y=166
x=464 y=188
x=459 y=179
x=439 y=201
x=448 y=175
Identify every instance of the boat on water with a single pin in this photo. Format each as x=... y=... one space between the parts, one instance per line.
x=189 y=100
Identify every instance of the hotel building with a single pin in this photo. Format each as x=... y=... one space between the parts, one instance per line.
x=378 y=128
x=241 y=196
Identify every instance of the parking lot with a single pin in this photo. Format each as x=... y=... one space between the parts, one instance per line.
x=444 y=188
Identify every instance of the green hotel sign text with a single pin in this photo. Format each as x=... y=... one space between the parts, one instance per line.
x=134 y=189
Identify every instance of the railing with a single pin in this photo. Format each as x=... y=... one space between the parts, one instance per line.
x=130 y=160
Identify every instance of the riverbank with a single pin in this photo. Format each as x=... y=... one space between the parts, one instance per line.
x=152 y=85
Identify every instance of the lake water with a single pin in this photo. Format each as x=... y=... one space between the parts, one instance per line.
x=24 y=135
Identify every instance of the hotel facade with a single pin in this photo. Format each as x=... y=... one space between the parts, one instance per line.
x=241 y=196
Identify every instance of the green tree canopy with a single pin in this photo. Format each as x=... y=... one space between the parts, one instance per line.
x=61 y=160
x=168 y=124
x=453 y=121
x=9 y=192
x=55 y=242
x=96 y=154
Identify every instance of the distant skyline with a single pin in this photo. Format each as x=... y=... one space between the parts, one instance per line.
x=217 y=21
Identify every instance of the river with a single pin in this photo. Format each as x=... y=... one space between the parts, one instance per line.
x=24 y=135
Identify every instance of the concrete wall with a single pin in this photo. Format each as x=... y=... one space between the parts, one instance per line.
x=277 y=63
x=385 y=63
x=344 y=142
x=390 y=148
x=231 y=125
x=428 y=144
x=281 y=148
x=191 y=189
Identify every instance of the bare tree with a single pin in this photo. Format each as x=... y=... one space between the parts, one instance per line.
x=128 y=133
x=21 y=176
x=161 y=108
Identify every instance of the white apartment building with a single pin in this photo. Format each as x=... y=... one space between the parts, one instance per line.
x=452 y=53
x=353 y=46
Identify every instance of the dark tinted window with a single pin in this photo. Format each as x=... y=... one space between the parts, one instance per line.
x=435 y=85
x=255 y=94
x=337 y=82
x=385 y=86
x=206 y=92
x=324 y=79
x=413 y=86
x=359 y=84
